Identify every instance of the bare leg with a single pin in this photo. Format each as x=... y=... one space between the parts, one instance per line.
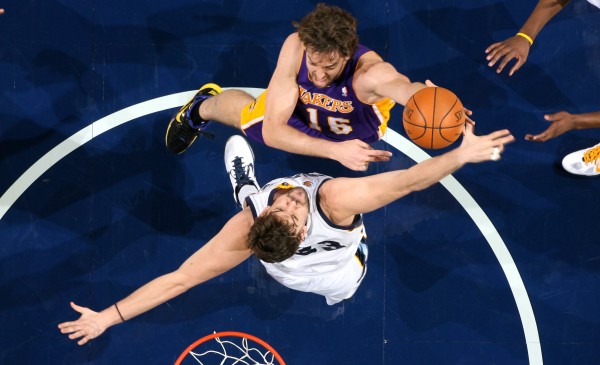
x=225 y=107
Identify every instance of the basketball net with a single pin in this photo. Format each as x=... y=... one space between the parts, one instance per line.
x=230 y=348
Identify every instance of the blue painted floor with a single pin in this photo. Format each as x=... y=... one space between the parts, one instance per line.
x=119 y=209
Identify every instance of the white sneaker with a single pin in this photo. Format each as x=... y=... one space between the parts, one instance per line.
x=239 y=163
x=584 y=162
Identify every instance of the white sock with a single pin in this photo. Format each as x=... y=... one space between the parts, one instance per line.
x=245 y=190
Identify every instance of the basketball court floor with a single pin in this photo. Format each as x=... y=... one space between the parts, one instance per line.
x=500 y=264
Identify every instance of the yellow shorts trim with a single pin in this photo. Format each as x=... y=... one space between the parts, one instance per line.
x=382 y=111
x=254 y=112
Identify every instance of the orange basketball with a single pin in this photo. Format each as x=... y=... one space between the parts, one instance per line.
x=433 y=117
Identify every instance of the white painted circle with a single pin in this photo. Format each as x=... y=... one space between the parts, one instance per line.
x=484 y=224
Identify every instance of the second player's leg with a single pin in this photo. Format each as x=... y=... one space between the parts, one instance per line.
x=225 y=107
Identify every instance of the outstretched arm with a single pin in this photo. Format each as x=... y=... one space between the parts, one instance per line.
x=282 y=96
x=223 y=252
x=563 y=122
x=376 y=80
x=517 y=47
x=342 y=198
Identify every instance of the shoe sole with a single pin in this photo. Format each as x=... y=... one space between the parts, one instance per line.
x=215 y=87
x=575 y=157
x=167 y=134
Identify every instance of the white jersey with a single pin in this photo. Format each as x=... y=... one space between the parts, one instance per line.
x=327 y=252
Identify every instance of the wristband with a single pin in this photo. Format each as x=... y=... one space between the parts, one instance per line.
x=118 y=311
x=526 y=37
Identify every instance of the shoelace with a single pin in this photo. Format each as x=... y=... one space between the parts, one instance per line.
x=240 y=172
x=592 y=155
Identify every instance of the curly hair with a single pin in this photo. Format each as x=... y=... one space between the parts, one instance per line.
x=328 y=29
x=273 y=239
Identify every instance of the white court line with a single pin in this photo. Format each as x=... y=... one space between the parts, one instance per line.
x=490 y=233
x=484 y=224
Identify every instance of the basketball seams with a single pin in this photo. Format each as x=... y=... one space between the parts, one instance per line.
x=440 y=128
x=420 y=112
x=423 y=126
x=423 y=117
x=424 y=129
x=427 y=128
x=449 y=111
x=433 y=117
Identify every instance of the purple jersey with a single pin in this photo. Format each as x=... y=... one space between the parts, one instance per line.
x=334 y=112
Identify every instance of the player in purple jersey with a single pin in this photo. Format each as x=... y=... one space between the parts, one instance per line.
x=328 y=97
x=335 y=111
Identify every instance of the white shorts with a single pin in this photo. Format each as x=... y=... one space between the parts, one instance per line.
x=335 y=286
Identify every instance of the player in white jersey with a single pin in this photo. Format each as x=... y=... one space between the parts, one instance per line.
x=288 y=219
x=331 y=260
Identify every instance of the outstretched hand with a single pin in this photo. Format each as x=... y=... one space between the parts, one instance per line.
x=560 y=123
x=87 y=327
x=356 y=154
x=515 y=47
x=483 y=148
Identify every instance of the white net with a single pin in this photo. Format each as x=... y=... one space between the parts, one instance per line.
x=228 y=352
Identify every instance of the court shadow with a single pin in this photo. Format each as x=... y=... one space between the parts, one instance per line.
x=462 y=66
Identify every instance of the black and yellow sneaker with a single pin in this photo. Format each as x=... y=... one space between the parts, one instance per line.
x=184 y=128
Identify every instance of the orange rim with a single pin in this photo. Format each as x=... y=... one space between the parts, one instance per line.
x=231 y=334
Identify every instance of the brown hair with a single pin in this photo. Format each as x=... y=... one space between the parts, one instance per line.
x=273 y=239
x=328 y=29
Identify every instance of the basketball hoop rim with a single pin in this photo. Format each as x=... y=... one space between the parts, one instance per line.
x=231 y=334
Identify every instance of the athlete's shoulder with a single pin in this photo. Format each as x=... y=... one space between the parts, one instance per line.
x=366 y=54
x=233 y=236
x=372 y=66
x=293 y=43
x=327 y=190
x=243 y=219
x=290 y=56
x=293 y=37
